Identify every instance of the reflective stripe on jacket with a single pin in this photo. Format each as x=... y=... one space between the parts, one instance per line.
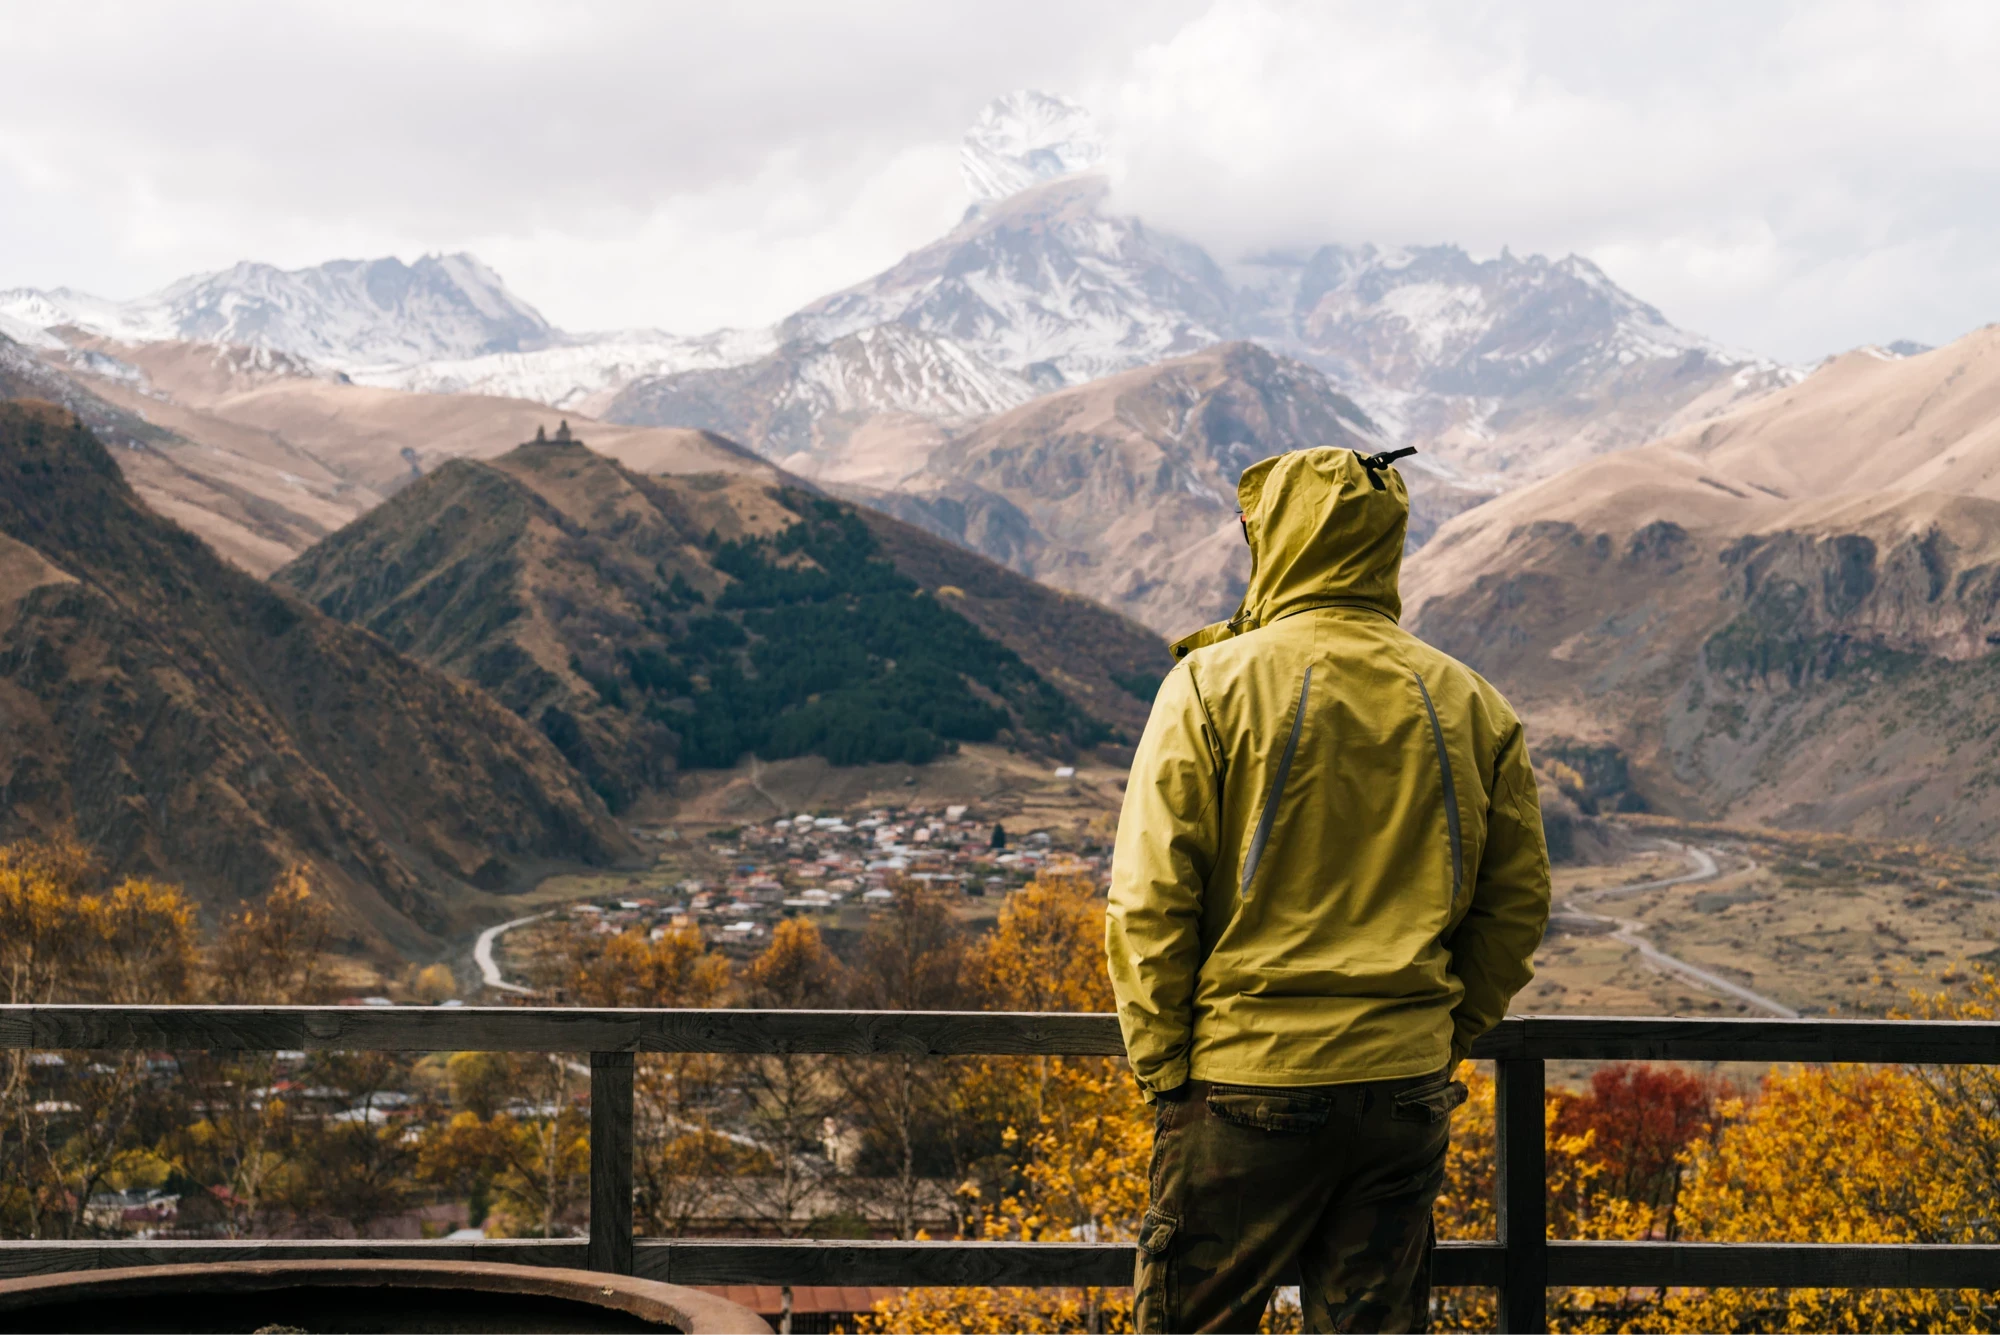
x=1330 y=865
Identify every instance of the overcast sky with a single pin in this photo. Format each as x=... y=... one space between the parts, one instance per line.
x=1792 y=179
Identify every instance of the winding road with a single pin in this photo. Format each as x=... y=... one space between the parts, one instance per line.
x=1631 y=932
x=482 y=954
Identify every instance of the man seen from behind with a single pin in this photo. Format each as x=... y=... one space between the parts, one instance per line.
x=1330 y=878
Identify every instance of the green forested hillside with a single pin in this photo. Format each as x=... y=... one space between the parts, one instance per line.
x=652 y=623
x=831 y=650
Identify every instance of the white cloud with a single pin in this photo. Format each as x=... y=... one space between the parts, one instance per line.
x=1793 y=178
x=744 y=157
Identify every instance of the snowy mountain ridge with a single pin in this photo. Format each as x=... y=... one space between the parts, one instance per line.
x=344 y=314
x=1047 y=284
x=805 y=403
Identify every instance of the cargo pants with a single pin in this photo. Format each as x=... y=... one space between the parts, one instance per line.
x=1335 y=1180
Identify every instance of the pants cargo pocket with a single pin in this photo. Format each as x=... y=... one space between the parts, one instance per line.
x=1150 y=1281
x=1283 y=1110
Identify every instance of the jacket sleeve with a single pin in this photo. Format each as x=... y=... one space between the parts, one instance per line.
x=1494 y=945
x=1167 y=839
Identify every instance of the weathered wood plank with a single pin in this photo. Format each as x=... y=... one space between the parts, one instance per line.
x=1019 y=1264
x=925 y=1033
x=1520 y=1184
x=1555 y=1037
x=819 y=1261
x=704 y=1261
x=556 y=1029
x=708 y=1261
x=611 y=1162
x=1774 y=1265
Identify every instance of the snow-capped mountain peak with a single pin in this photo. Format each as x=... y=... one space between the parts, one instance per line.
x=1026 y=137
x=343 y=314
x=351 y=313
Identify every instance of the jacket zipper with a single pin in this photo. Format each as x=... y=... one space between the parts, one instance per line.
x=1263 y=833
x=1450 y=790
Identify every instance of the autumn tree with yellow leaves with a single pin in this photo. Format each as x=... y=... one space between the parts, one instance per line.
x=1075 y=1134
x=680 y=1161
x=67 y=1119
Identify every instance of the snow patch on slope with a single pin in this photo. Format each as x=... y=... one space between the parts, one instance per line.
x=898 y=369
x=577 y=371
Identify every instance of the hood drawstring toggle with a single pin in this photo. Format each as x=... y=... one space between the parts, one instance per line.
x=1375 y=463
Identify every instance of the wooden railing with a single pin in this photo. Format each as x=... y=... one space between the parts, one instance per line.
x=1522 y=1263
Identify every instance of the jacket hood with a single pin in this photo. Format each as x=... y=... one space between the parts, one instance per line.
x=1321 y=533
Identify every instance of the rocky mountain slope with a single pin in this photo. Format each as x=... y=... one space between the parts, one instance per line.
x=650 y=623
x=865 y=408
x=1124 y=489
x=1790 y=613
x=1507 y=369
x=195 y=724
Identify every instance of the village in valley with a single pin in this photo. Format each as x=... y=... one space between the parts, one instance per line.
x=838 y=868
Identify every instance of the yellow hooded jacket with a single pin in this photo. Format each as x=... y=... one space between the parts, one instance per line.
x=1330 y=865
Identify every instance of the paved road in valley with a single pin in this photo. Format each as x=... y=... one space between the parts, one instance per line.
x=1632 y=932
x=482 y=954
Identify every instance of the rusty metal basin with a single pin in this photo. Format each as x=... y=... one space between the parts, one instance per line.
x=362 y=1296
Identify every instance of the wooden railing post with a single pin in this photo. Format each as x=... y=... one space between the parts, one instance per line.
x=1521 y=1188
x=610 y=1162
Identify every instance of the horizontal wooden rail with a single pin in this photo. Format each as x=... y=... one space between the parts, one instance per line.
x=1041 y=1264
x=1620 y=1038
x=708 y=1261
x=557 y=1029
x=1774 y=1265
x=927 y=1033
x=1523 y=1264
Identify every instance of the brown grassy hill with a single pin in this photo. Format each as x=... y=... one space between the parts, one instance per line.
x=262 y=458
x=646 y=624
x=1789 y=614
x=1124 y=489
x=193 y=723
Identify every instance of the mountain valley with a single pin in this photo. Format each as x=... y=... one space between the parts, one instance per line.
x=192 y=723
